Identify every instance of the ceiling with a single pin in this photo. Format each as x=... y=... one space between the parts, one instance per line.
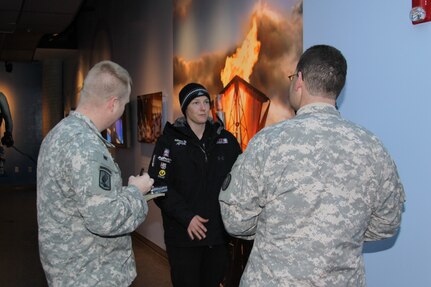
x=28 y=24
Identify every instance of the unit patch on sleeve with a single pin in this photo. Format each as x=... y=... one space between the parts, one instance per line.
x=226 y=182
x=104 y=178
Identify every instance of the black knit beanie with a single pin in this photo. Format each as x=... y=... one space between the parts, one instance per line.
x=189 y=92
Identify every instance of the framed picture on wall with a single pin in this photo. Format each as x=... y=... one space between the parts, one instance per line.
x=150 y=107
x=119 y=132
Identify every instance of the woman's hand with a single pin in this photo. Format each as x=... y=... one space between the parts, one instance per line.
x=197 y=228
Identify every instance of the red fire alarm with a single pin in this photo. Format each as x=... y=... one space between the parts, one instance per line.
x=421 y=11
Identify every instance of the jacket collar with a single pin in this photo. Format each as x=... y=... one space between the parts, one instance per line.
x=318 y=108
x=92 y=127
x=212 y=128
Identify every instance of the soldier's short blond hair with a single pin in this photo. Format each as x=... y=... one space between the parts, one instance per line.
x=104 y=80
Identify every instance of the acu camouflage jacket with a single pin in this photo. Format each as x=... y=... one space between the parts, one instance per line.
x=85 y=215
x=310 y=191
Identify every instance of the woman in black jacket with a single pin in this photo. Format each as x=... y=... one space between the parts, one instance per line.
x=192 y=158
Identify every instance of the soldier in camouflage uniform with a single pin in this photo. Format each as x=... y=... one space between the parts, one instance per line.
x=312 y=189
x=85 y=215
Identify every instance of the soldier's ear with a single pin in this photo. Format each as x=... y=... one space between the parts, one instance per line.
x=299 y=83
x=300 y=79
x=112 y=102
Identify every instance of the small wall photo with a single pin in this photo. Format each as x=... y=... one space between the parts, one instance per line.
x=150 y=108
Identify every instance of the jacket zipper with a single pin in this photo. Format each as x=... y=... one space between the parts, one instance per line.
x=205 y=153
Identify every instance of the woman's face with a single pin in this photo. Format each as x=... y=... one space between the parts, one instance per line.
x=198 y=110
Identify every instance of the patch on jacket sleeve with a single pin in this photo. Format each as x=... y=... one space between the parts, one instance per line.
x=104 y=178
x=226 y=182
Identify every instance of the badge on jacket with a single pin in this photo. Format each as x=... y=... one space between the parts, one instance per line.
x=104 y=178
x=162 y=173
x=222 y=141
x=180 y=142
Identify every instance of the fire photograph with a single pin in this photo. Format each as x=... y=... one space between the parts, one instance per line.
x=242 y=51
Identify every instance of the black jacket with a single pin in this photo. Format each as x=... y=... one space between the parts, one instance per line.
x=194 y=171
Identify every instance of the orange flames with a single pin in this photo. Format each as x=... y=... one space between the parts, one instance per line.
x=242 y=108
x=241 y=63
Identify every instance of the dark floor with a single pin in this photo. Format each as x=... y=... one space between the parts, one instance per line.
x=19 y=258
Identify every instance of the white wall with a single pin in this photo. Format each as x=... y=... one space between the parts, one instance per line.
x=388 y=92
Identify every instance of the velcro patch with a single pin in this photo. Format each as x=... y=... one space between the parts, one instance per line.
x=226 y=182
x=104 y=178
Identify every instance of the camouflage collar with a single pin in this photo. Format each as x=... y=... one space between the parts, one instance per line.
x=92 y=127
x=317 y=108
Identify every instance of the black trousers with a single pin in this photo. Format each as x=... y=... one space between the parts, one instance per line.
x=201 y=266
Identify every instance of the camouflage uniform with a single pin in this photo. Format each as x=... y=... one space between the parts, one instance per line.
x=310 y=190
x=85 y=215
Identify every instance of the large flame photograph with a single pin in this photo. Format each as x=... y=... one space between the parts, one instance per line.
x=242 y=52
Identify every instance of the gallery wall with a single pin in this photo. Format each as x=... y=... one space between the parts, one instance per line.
x=387 y=91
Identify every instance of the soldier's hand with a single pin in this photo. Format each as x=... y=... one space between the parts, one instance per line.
x=197 y=228
x=144 y=182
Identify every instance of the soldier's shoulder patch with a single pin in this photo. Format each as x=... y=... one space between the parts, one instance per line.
x=226 y=182
x=104 y=178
